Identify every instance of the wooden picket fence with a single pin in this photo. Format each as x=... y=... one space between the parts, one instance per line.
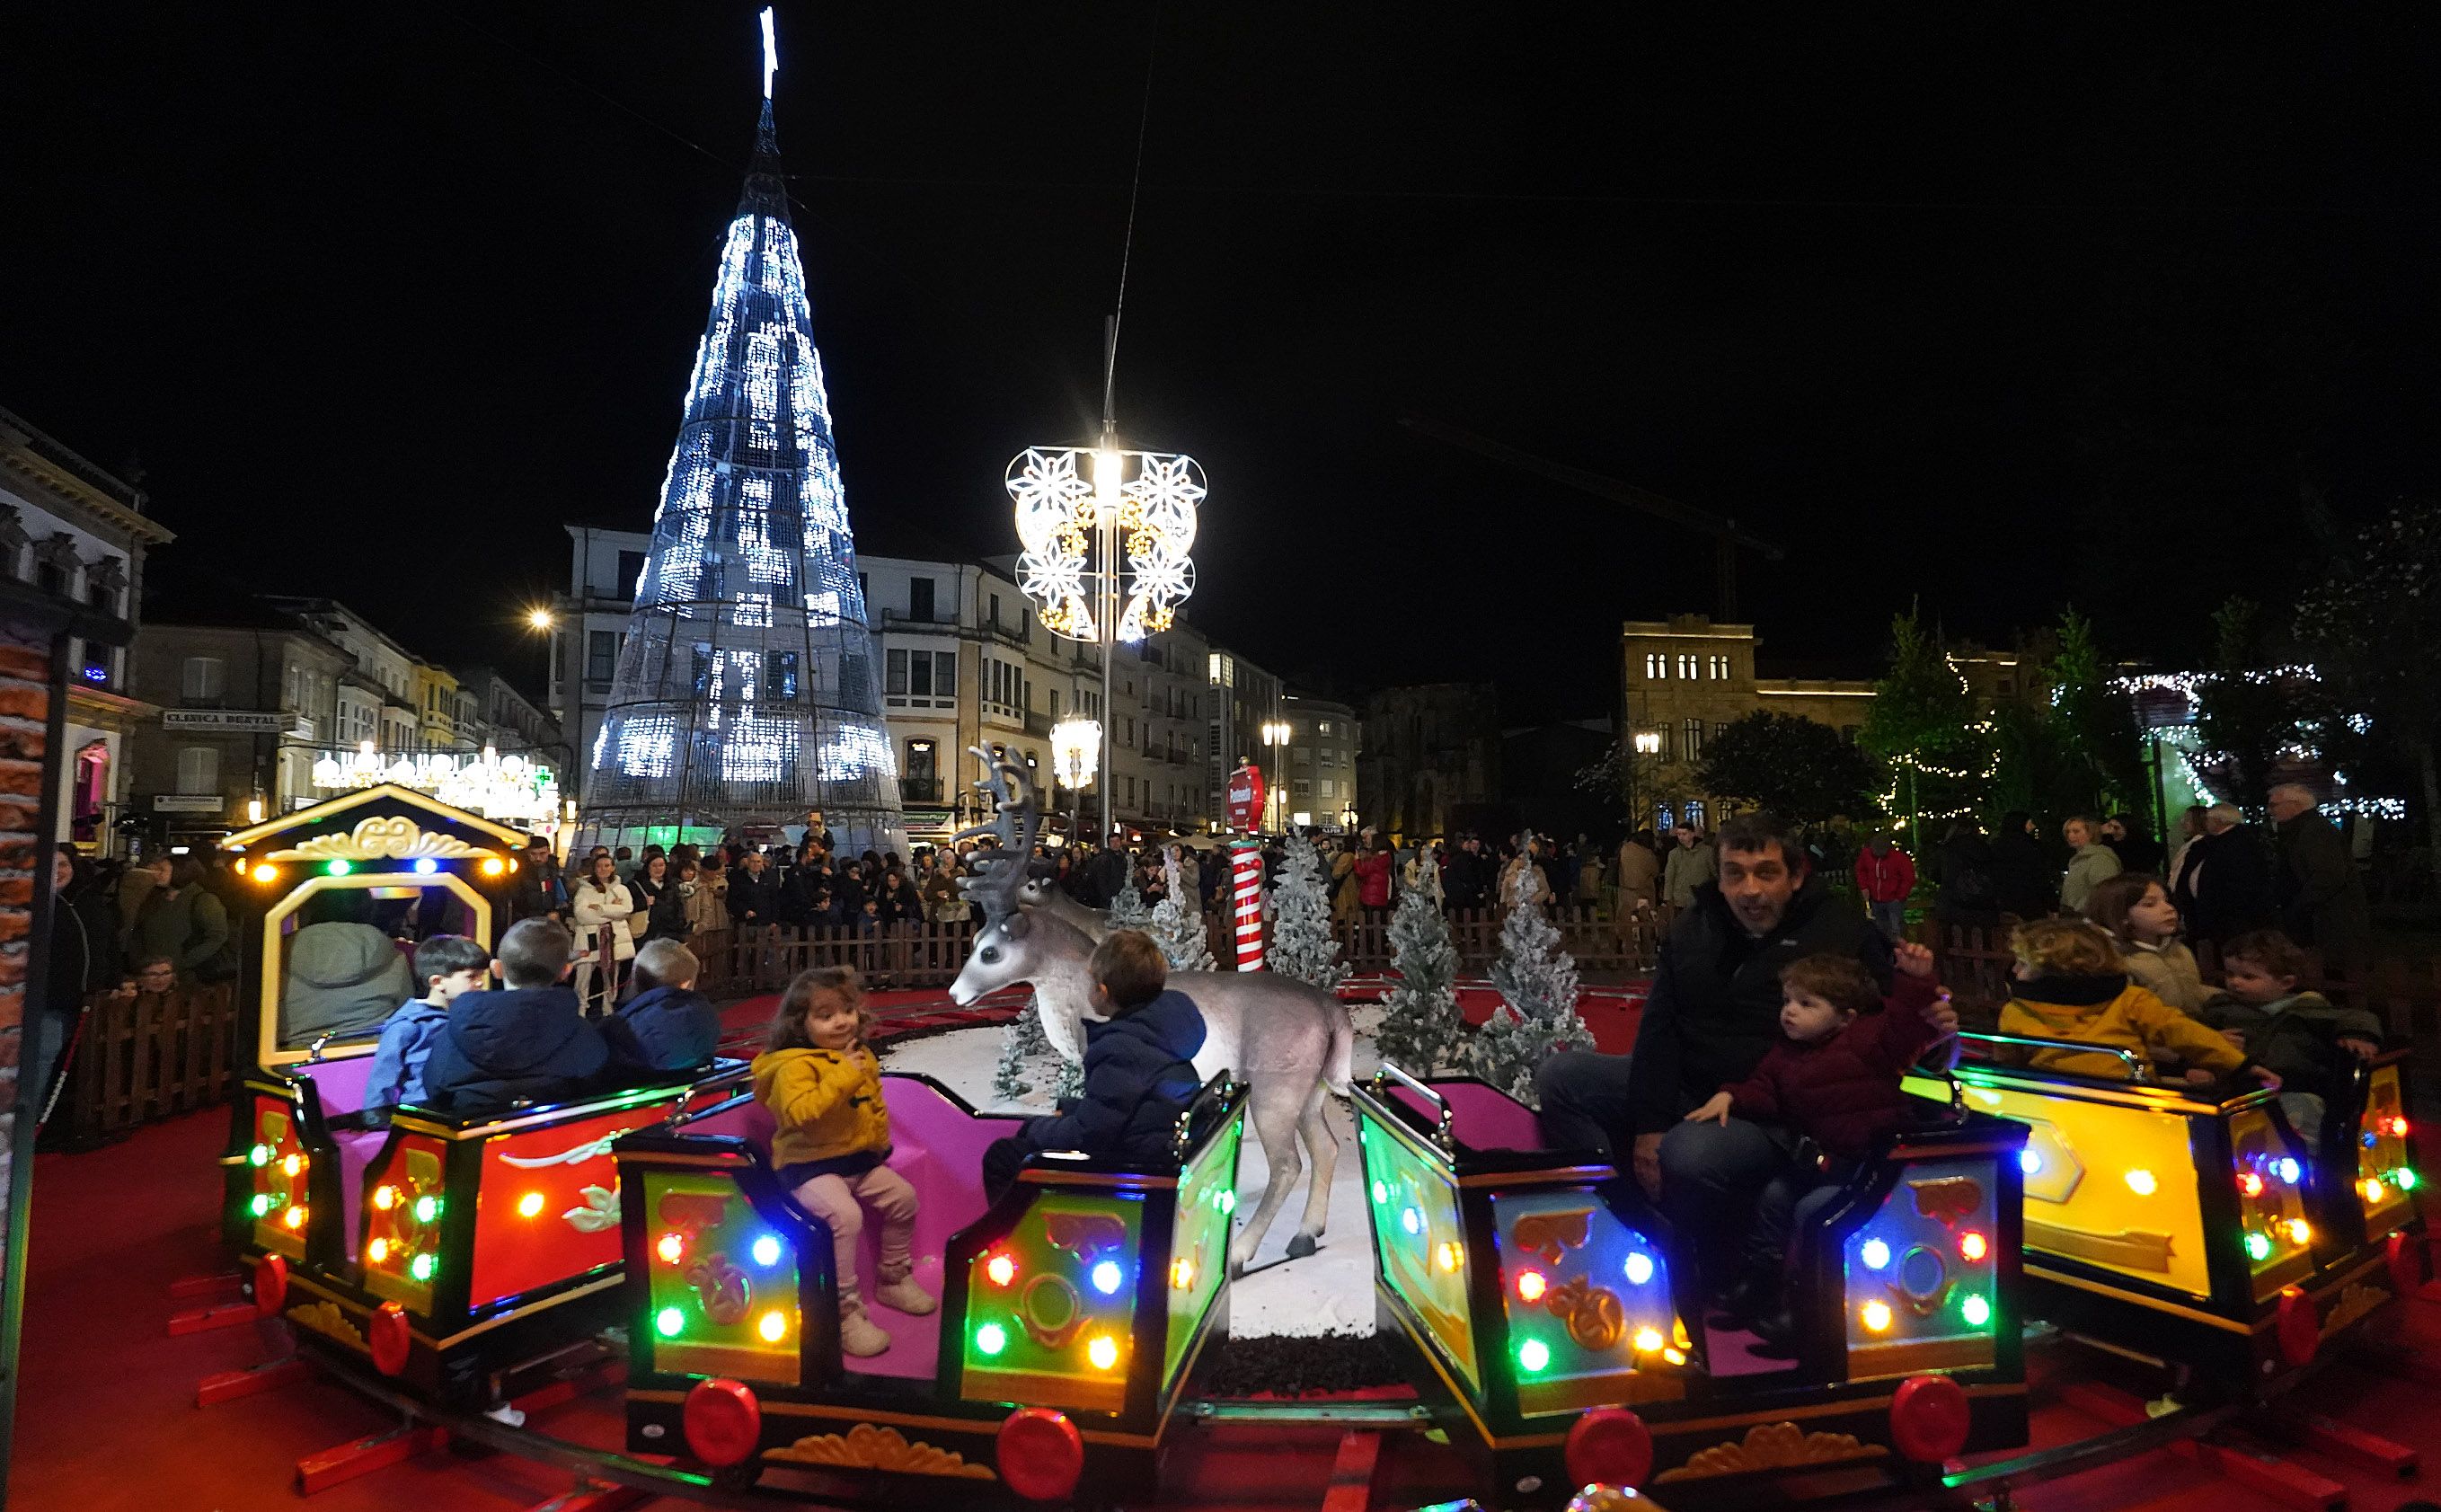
x=148 y=1056
x=742 y=961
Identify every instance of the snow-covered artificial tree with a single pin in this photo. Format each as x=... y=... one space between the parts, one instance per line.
x=1421 y=1029
x=1020 y=1039
x=1127 y=910
x=1537 y=1016
x=1302 y=943
x=1179 y=932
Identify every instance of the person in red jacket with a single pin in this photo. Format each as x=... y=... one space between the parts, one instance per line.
x=1373 y=876
x=1833 y=1080
x=1885 y=874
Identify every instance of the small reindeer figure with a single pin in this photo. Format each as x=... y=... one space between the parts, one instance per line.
x=1287 y=1040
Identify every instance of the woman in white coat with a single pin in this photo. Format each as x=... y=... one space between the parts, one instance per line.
x=604 y=945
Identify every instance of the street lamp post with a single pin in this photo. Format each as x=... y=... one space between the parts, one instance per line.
x=1276 y=736
x=1647 y=743
x=1075 y=743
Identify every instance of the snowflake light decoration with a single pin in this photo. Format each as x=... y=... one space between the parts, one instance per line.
x=1074 y=530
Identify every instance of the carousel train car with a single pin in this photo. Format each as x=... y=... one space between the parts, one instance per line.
x=2167 y=1222
x=1072 y=1315
x=442 y=1250
x=1536 y=1287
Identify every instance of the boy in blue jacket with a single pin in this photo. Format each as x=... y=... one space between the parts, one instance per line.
x=667 y=1026
x=449 y=966
x=527 y=1043
x=1139 y=1067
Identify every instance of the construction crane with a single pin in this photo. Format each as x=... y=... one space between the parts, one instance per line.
x=1727 y=536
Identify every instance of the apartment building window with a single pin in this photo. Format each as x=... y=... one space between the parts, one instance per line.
x=1656 y=666
x=919 y=599
x=1694 y=739
x=199 y=769
x=922 y=768
x=1322 y=726
x=631 y=573
x=1687 y=665
x=1665 y=754
x=204 y=678
x=1718 y=666
x=994 y=611
x=600 y=656
x=1329 y=788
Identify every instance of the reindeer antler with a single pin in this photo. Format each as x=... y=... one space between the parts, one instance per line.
x=1016 y=819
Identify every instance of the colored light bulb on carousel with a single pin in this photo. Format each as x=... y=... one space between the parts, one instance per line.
x=1448 y=1256
x=1877 y=1317
x=530 y=1205
x=385 y=1197
x=2029 y=1161
x=1534 y=1353
x=1975 y=1311
x=259 y=1204
x=1638 y=1268
x=1530 y=1286
x=671 y=1248
x=1875 y=1254
x=2140 y=1181
x=291 y=1164
x=294 y=1218
x=426 y=866
x=2398 y=1129
x=1106 y=1277
x=1381 y=1193
x=1103 y=1352
x=2288 y=1170
x=2300 y=1232
x=668 y=1321
x=773 y=1327
x=2259 y=1246
x=338 y=868
x=767 y=1251
x=377 y=1250
x=259 y=1156
x=1001 y=1269
x=427 y=1208
x=2406 y=1177
x=2250 y=1185
x=1972 y=1246
x=2373 y=1188
x=1182 y=1273
x=992 y=1339
x=1647 y=1341
x=422 y=1266
x=1411 y=1221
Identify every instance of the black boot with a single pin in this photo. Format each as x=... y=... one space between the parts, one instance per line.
x=1757 y=1293
x=1777 y=1331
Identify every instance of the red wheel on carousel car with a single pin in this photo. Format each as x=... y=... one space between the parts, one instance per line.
x=387 y=1335
x=270 y=1285
x=1042 y=1455
x=1930 y=1418
x=724 y=1422
x=1609 y=1445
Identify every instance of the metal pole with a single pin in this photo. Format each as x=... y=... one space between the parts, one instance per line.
x=1108 y=525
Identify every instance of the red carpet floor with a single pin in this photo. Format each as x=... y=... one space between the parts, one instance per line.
x=106 y=1419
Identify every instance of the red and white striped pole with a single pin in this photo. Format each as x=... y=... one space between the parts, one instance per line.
x=1246 y=863
x=1246 y=878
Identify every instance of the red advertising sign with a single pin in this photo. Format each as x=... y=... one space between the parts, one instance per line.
x=1245 y=797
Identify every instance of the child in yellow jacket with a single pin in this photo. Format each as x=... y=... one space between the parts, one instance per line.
x=2072 y=985
x=824 y=1088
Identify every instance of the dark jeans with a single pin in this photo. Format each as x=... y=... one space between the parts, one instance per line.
x=1002 y=1160
x=1711 y=1173
x=1790 y=1203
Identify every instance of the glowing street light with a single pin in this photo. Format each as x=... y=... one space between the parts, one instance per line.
x=538 y=617
x=1076 y=745
x=1275 y=733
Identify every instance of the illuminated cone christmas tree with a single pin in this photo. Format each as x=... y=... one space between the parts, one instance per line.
x=746 y=692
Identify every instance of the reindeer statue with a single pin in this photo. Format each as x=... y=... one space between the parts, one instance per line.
x=1287 y=1040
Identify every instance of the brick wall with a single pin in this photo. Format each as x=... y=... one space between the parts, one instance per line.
x=24 y=708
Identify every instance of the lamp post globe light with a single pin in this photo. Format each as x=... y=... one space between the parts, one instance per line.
x=1105 y=561
x=1275 y=734
x=1076 y=745
x=1646 y=746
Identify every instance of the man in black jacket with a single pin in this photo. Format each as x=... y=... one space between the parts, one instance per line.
x=2223 y=888
x=1712 y=1012
x=2321 y=897
x=754 y=894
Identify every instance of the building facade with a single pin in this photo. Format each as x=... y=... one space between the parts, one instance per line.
x=1428 y=760
x=1318 y=778
x=74 y=532
x=1684 y=679
x=966 y=662
x=246 y=707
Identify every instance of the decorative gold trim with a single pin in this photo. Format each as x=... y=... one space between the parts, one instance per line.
x=325 y=1318
x=2134 y=1249
x=243 y=838
x=269 y=1054
x=382 y=837
x=2355 y=1299
x=1773 y=1447
x=867 y=1447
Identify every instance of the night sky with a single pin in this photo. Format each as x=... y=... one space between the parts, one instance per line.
x=378 y=297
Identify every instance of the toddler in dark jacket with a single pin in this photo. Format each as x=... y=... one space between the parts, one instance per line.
x=2310 y=1044
x=667 y=1026
x=1139 y=1067
x=1833 y=1080
x=527 y=1043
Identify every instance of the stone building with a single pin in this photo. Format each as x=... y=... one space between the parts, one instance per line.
x=1429 y=760
x=1318 y=780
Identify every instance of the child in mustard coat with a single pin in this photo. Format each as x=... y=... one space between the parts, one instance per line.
x=824 y=1088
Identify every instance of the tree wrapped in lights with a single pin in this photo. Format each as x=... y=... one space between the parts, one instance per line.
x=2371 y=624
x=1537 y=1017
x=1421 y=1029
x=1303 y=946
x=1923 y=725
x=1178 y=930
